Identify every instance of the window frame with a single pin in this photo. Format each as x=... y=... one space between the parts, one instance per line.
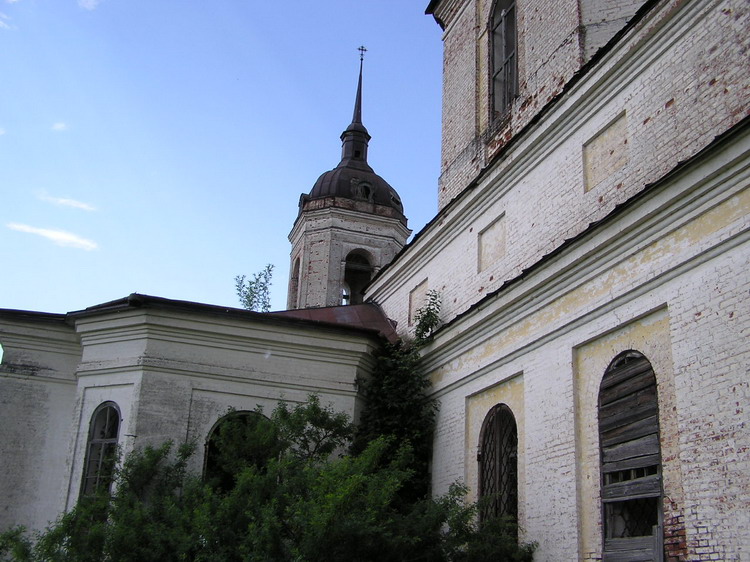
x=211 y=471
x=93 y=478
x=503 y=34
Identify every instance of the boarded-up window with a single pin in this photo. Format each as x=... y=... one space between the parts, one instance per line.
x=631 y=487
x=101 y=450
x=498 y=464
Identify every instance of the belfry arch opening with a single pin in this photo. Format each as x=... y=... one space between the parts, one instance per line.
x=357 y=274
x=293 y=300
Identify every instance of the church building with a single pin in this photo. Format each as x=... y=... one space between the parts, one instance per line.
x=591 y=253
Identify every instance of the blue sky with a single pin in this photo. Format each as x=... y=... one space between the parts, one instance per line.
x=160 y=147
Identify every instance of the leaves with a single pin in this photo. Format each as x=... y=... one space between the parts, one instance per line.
x=427 y=318
x=299 y=503
x=254 y=294
x=397 y=406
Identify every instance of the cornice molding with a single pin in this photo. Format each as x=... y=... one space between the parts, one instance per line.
x=612 y=73
x=661 y=211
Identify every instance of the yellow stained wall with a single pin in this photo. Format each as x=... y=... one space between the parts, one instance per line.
x=650 y=335
x=509 y=392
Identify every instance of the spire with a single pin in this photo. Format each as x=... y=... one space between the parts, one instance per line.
x=355 y=138
x=357 y=117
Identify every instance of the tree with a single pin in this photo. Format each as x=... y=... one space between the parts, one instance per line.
x=397 y=404
x=254 y=294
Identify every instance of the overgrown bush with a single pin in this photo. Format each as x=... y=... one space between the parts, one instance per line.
x=297 y=502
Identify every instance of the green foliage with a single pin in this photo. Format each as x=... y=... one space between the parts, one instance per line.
x=295 y=503
x=427 y=318
x=254 y=294
x=241 y=439
x=312 y=432
x=397 y=406
x=15 y=545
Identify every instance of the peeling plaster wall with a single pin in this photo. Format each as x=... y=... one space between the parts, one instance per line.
x=675 y=80
x=172 y=374
x=37 y=397
x=676 y=296
x=323 y=238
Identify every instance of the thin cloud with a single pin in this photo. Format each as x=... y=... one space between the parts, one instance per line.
x=2 y=131
x=3 y=24
x=89 y=4
x=65 y=202
x=59 y=237
x=59 y=126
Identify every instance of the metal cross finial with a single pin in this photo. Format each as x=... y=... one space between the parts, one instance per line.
x=362 y=52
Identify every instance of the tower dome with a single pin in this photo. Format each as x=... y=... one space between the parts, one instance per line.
x=349 y=226
x=353 y=179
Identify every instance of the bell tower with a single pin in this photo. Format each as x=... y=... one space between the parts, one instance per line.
x=349 y=226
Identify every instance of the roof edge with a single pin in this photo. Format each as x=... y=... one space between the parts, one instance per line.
x=136 y=301
x=714 y=145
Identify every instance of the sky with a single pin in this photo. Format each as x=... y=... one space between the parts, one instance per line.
x=160 y=147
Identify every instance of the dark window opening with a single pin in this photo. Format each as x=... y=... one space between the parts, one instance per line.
x=498 y=464
x=357 y=153
x=238 y=440
x=631 y=474
x=101 y=450
x=631 y=481
x=631 y=518
x=357 y=274
x=294 y=285
x=504 y=62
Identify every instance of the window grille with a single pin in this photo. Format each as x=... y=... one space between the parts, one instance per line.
x=101 y=449
x=498 y=464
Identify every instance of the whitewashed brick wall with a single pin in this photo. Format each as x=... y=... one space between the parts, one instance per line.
x=677 y=81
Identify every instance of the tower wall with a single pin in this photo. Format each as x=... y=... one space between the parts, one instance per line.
x=555 y=39
x=323 y=238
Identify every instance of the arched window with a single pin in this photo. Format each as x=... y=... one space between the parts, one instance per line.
x=101 y=449
x=498 y=464
x=293 y=301
x=504 y=58
x=357 y=275
x=237 y=440
x=631 y=486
